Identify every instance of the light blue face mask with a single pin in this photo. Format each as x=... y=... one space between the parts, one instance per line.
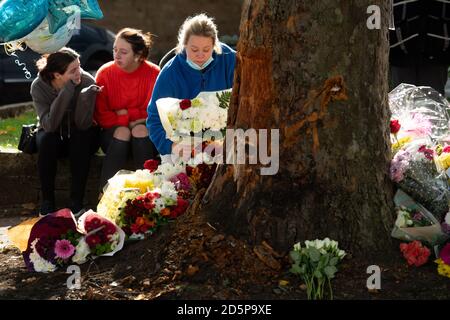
x=196 y=66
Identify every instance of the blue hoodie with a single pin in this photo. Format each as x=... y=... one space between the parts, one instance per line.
x=178 y=80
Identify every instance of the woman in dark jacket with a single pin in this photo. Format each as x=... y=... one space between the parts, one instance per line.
x=64 y=97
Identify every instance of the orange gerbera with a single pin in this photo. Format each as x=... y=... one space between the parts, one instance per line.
x=165 y=212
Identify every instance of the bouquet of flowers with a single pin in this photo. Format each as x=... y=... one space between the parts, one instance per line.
x=419 y=123
x=446 y=224
x=422 y=111
x=415 y=172
x=201 y=175
x=103 y=237
x=444 y=261
x=139 y=202
x=123 y=186
x=316 y=263
x=411 y=218
x=443 y=160
x=181 y=117
x=145 y=213
x=415 y=253
x=54 y=241
x=414 y=222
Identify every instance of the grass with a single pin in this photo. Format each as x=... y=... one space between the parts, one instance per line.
x=11 y=128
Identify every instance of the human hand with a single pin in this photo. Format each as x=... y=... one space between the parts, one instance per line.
x=181 y=151
x=92 y=87
x=76 y=80
x=122 y=112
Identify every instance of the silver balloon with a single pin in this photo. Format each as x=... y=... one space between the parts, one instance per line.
x=42 y=41
x=408 y=101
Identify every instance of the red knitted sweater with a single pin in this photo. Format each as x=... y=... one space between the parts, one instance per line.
x=122 y=90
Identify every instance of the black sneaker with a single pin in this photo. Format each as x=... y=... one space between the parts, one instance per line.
x=47 y=207
x=75 y=206
x=79 y=213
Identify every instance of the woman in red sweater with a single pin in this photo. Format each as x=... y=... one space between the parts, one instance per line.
x=121 y=107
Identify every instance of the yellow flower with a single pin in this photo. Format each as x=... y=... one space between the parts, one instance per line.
x=142 y=185
x=443 y=268
x=443 y=160
x=400 y=144
x=196 y=103
x=439 y=149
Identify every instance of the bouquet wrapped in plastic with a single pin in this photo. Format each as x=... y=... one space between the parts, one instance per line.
x=183 y=117
x=139 y=202
x=122 y=186
x=53 y=242
x=191 y=122
x=414 y=222
x=147 y=212
x=414 y=171
x=422 y=111
x=57 y=240
x=103 y=237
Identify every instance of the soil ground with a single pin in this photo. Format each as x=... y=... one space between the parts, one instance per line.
x=189 y=259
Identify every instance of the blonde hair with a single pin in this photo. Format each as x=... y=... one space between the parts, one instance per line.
x=199 y=25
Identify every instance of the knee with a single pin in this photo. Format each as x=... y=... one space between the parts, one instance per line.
x=122 y=133
x=139 y=131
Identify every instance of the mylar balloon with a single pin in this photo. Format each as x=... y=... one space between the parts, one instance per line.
x=42 y=41
x=90 y=9
x=61 y=10
x=19 y=17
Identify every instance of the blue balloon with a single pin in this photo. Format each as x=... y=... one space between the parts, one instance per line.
x=19 y=17
x=61 y=10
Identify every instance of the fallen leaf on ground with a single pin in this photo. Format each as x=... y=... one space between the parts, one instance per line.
x=266 y=257
x=283 y=283
x=217 y=238
x=176 y=275
x=29 y=280
x=373 y=290
x=191 y=270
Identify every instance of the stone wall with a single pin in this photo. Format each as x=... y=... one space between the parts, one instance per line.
x=13 y=110
x=20 y=187
x=164 y=17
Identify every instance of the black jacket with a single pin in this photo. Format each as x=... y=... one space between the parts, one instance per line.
x=422 y=31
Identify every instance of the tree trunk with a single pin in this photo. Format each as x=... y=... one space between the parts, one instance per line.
x=313 y=70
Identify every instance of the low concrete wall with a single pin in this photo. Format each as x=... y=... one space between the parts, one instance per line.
x=13 y=110
x=20 y=187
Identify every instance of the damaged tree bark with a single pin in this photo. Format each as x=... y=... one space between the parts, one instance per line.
x=313 y=70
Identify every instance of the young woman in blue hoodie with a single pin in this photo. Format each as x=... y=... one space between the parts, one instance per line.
x=202 y=63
